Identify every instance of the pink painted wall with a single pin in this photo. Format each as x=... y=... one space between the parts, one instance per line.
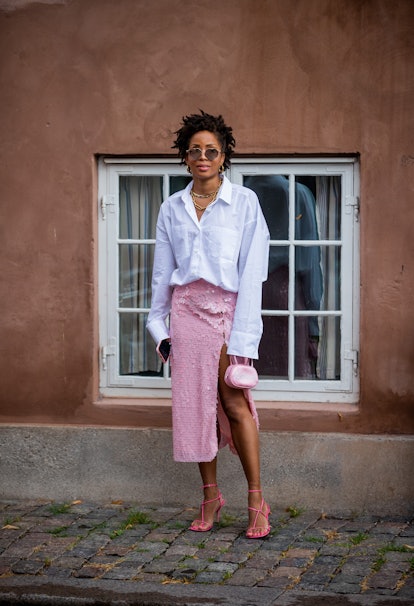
x=81 y=78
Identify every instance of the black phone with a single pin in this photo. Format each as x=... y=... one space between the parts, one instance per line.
x=164 y=349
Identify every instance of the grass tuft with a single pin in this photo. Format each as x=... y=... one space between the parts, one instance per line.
x=358 y=538
x=59 y=531
x=59 y=508
x=294 y=511
x=134 y=518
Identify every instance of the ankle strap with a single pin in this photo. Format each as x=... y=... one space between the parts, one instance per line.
x=257 y=490
x=209 y=485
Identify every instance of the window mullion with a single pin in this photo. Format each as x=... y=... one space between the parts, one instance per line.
x=291 y=292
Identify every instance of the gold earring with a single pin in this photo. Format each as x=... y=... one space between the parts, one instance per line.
x=221 y=169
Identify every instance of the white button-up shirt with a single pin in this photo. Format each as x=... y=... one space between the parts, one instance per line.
x=228 y=247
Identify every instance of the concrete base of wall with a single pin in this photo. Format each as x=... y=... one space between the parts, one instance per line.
x=326 y=472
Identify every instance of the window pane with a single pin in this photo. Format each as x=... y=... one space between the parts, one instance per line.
x=276 y=288
x=273 y=348
x=329 y=359
x=331 y=276
x=328 y=194
x=178 y=182
x=308 y=278
x=317 y=347
x=137 y=353
x=306 y=227
x=273 y=194
x=139 y=202
x=135 y=274
x=306 y=347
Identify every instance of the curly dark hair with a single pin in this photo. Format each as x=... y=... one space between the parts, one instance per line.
x=194 y=123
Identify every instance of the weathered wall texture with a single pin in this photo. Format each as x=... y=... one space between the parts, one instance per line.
x=319 y=471
x=81 y=78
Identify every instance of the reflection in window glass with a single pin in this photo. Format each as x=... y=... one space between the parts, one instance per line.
x=306 y=347
x=317 y=279
x=273 y=348
x=306 y=227
x=178 y=182
x=273 y=193
x=317 y=347
x=276 y=288
x=302 y=276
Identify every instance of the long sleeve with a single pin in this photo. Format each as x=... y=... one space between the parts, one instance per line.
x=253 y=267
x=164 y=265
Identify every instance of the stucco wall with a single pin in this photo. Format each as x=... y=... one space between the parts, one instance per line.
x=81 y=78
x=326 y=472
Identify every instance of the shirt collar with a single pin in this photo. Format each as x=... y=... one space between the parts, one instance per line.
x=224 y=194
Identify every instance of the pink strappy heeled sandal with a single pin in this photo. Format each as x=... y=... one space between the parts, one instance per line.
x=201 y=525
x=265 y=511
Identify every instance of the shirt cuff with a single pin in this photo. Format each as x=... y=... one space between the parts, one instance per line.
x=158 y=330
x=243 y=344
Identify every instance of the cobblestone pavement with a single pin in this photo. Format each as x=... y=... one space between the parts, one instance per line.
x=122 y=553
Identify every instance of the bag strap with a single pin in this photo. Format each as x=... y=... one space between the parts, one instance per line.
x=241 y=360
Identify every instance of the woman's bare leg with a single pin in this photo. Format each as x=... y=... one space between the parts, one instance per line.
x=245 y=438
x=208 y=472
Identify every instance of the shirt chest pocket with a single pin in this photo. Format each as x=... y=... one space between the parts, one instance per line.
x=185 y=240
x=222 y=243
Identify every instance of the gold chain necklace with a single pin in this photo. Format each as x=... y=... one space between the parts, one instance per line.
x=203 y=208
x=203 y=195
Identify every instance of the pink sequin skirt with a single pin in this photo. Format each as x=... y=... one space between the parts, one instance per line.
x=200 y=324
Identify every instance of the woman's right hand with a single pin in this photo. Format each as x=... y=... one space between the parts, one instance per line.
x=163 y=349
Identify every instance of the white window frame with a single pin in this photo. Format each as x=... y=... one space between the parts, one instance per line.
x=114 y=385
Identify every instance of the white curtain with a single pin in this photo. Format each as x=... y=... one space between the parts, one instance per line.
x=328 y=208
x=140 y=199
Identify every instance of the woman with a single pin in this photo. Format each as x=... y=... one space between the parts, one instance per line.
x=211 y=257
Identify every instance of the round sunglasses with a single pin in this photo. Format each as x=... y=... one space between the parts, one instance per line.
x=211 y=153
